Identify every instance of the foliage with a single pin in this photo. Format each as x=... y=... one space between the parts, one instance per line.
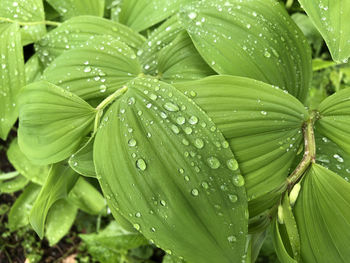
x=215 y=130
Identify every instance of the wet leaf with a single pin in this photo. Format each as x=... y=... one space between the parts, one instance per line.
x=96 y=69
x=83 y=161
x=12 y=77
x=33 y=69
x=330 y=18
x=199 y=177
x=255 y=39
x=52 y=123
x=263 y=126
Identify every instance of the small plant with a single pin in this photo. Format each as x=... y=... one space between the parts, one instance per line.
x=198 y=123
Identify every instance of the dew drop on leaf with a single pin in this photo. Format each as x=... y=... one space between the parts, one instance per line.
x=232 y=164
x=141 y=164
x=171 y=107
x=213 y=162
x=238 y=180
x=132 y=142
x=195 y=192
x=199 y=143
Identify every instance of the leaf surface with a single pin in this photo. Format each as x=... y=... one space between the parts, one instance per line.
x=263 y=126
x=83 y=161
x=172 y=154
x=255 y=39
x=53 y=122
x=331 y=18
x=12 y=77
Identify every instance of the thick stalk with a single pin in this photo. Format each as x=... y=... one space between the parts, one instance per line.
x=309 y=154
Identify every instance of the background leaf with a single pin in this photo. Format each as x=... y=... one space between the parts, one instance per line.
x=53 y=122
x=255 y=39
x=83 y=161
x=330 y=18
x=97 y=69
x=77 y=30
x=70 y=8
x=200 y=177
x=12 y=77
x=263 y=126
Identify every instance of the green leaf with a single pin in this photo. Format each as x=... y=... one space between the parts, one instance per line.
x=255 y=39
x=330 y=18
x=319 y=64
x=334 y=119
x=60 y=181
x=332 y=157
x=34 y=173
x=87 y=198
x=322 y=212
x=172 y=259
x=83 y=161
x=70 y=8
x=14 y=183
x=59 y=221
x=142 y=14
x=107 y=245
x=33 y=69
x=198 y=177
x=96 y=69
x=19 y=213
x=12 y=77
x=25 y=11
x=257 y=240
x=263 y=126
x=180 y=61
x=77 y=30
x=52 y=123
x=158 y=39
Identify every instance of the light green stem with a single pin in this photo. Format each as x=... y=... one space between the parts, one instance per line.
x=105 y=103
x=49 y=23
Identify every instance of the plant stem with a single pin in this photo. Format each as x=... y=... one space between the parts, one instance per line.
x=289 y=4
x=309 y=155
x=49 y=23
x=105 y=103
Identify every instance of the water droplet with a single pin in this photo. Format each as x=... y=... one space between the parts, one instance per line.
x=233 y=198
x=195 y=192
x=238 y=180
x=132 y=143
x=141 y=164
x=188 y=130
x=138 y=214
x=137 y=226
x=338 y=158
x=205 y=185
x=180 y=120
x=185 y=142
x=263 y=113
x=213 y=162
x=193 y=93
x=171 y=107
x=103 y=88
x=153 y=96
x=162 y=203
x=181 y=171
x=87 y=69
x=199 y=143
x=175 y=129
x=267 y=54
x=193 y=120
x=131 y=101
x=192 y=15
x=153 y=229
x=231 y=239
x=232 y=164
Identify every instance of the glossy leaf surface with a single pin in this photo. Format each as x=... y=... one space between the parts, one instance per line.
x=322 y=213
x=200 y=177
x=96 y=69
x=263 y=126
x=331 y=19
x=77 y=30
x=53 y=122
x=83 y=161
x=12 y=77
x=255 y=39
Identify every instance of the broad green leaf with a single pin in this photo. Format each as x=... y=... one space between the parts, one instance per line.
x=172 y=259
x=108 y=245
x=255 y=39
x=83 y=161
x=77 y=30
x=279 y=244
x=175 y=159
x=12 y=182
x=334 y=118
x=96 y=69
x=319 y=64
x=19 y=213
x=158 y=39
x=60 y=181
x=180 y=61
x=59 y=220
x=331 y=18
x=12 y=77
x=257 y=240
x=87 y=198
x=322 y=212
x=25 y=11
x=332 y=157
x=142 y=14
x=33 y=172
x=310 y=31
x=70 y=8
x=33 y=69
x=52 y=123
x=263 y=126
